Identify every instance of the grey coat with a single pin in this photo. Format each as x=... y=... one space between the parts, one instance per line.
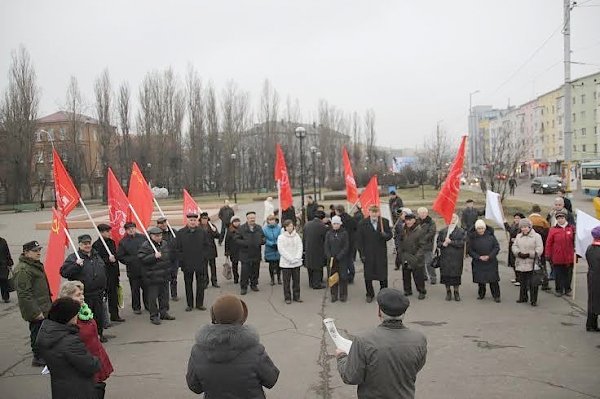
x=385 y=361
x=229 y=362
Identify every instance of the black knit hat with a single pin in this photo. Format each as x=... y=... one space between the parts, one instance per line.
x=63 y=310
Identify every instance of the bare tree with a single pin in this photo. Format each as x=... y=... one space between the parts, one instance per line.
x=356 y=135
x=436 y=157
x=125 y=150
x=18 y=113
x=106 y=132
x=370 y=134
x=235 y=118
x=75 y=138
x=196 y=149
x=216 y=155
x=269 y=116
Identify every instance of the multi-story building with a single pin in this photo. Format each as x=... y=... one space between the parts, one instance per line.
x=584 y=117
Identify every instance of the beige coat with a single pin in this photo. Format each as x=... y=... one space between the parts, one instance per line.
x=528 y=244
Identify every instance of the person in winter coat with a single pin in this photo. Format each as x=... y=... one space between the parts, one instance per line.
x=337 y=247
x=191 y=246
x=397 y=230
x=231 y=248
x=112 y=270
x=6 y=264
x=227 y=360
x=527 y=248
x=560 y=251
x=451 y=244
x=559 y=207
x=88 y=333
x=592 y=255
x=483 y=249
x=269 y=208
x=289 y=245
x=33 y=293
x=311 y=208
x=72 y=367
x=542 y=227
x=290 y=214
x=156 y=269
x=88 y=268
x=349 y=224
x=210 y=248
x=225 y=214
x=513 y=230
x=469 y=216
x=568 y=204
x=429 y=228
x=249 y=239
x=169 y=235
x=384 y=362
x=413 y=242
x=272 y=231
x=372 y=235
x=127 y=255
x=313 y=241
x=395 y=204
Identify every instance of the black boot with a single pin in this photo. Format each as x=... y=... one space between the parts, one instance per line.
x=448 y=294
x=456 y=294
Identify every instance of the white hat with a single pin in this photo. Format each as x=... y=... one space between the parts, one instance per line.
x=336 y=220
x=407 y=211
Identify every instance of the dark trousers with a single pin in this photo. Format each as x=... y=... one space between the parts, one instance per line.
x=369 y=286
x=292 y=274
x=418 y=275
x=342 y=288
x=97 y=307
x=224 y=227
x=494 y=287
x=213 y=270
x=4 y=289
x=173 y=282
x=34 y=328
x=315 y=278
x=592 y=321
x=137 y=286
x=526 y=287
x=112 y=295
x=563 y=274
x=250 y=271
x=158 y=293
x=201 y=283
x=234 y=268
x=274 y=270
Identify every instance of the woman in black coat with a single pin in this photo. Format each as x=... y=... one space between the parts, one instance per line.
x=6 y=264
x=71 y=365
x=483 y=249
x=337 y=246
x=592 y=255
x=451 y=246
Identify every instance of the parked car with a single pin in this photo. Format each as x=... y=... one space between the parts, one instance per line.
x=544 y=185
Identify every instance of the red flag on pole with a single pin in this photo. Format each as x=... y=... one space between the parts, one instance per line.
x=140 y=196
x=351 y=190
x=118 y=207
x=189 y=205
x=55 y=253
x=370 y=195
x=66 y=194
x=445 y=203
x=283 y=181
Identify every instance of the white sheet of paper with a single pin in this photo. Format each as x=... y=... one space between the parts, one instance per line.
x=45 y=370
x=341 y=343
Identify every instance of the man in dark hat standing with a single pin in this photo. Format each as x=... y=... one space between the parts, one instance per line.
x=127 y=254
x=112 y=270
x=385 y=361
x=90 y=270
x=249 y=238
x=168 y=235
x=190 y=247
x=313 y=242
x=33 y=293
x=210 y=248
x=395 y=203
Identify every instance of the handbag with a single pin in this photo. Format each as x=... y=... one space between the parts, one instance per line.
x=539 y=271
x=227 y=271
x=435 y=261
x=334 y=278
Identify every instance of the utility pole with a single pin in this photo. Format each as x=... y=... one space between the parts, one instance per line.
x=568 y=133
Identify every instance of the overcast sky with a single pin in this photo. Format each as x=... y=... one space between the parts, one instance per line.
x=413 y=62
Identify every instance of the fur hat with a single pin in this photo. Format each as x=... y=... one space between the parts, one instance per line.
x=480 y=224
x=63 y=310
x=229 y=309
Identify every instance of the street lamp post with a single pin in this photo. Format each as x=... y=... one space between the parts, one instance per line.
x=233 y=158
x=320 y=173
x=313 y=154
x=218 y=182
x=301 y=134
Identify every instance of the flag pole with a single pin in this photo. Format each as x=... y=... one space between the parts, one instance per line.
x=143 y=228
x=574 y=275
x=72 y=243
x=357 y=201
x=163 y=215
x=279 y=202
x=95 y=226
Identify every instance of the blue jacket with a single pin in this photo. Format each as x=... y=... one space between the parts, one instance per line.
x=271 y=234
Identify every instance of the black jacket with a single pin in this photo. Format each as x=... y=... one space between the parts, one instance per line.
x=350 y=224
x=5 y=259
x=479 y=245
x=310 y=210
x=225 y=214
x=289 y=214
x=231 y=248
x=229 y=362
x=468 y=218
x=112 y=268
x=372 y=246
x=429 y=229
x=313 y=242
x=71 y=365
x=127 y=254
x=155 y=271
x=210 y=248
x=91 y=274
x=592 y=255
x=249 y=242
x=337 y=246
x=191 y=248
x=452 y=256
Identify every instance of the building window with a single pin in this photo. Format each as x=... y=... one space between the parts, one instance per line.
x=596 y=130
x=560 y=119
x=573 y=100
x=583 y=98
x=574 y=117
x=542 y=111
x=583 y=147
x=583 y=131
x=574 y=148
x=62 y=133
x=582 y=115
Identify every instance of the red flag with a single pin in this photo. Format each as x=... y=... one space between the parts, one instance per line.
x=283 y=181
x=118 y=207
x=370 y=195
x=140 y=196
x=55 y=253
x=66 y=194
x=189 y=205
x=445 y=203
x=351 y=190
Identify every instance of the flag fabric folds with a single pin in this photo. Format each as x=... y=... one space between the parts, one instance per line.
x=140 y=197
x=370 y=195
x=283 y=182
x=445 y=202
x=583 y=234
x=493 y=208
x=118 y=207
x=55 y=253
x=351 y=189
x=66 y=193
x=189 y=205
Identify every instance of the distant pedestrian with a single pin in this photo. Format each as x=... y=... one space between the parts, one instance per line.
x=271 y=231
x=225 y=214
x=337 y=252
x=191 y=246
x=512 y=184
x=592 y=255
x=112 y=270
x=451 y=244
x=484 y=249
x=232 y=250
x=560 y=251
x=469 y=216
x=542 y=227
x=269 y=208
x=6 y=264
x=289 y=245
x=395 y=204
x=127 y=254
x=527 y=248
x=413 y=244
x=311 y=208
x=250 y=238
x=563 y=194
x=169 y=236
x=210 y=248
x=313 y=241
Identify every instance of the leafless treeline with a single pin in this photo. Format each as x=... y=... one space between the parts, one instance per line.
x=181 y=131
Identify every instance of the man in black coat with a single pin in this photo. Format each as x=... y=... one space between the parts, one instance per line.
x=249 y=239
x=395 y=203
x=191 y=246
x=372 y=236
x=168 y=235
x=156 y=270
x=313 y=242
x=429 y=229
x=225 y=214
x=311 y=208
x=470 y=215
x=349 y=224
x=6 y=263
x=210 y=248
x=127 y=255
x=88 y=268
x=112 y=270
x=289 y=214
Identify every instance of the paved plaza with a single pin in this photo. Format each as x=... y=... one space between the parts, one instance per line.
x=475 y=348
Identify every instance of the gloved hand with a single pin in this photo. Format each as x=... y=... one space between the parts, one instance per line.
x=523 y=255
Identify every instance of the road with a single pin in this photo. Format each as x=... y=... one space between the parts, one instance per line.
x=475 y=348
